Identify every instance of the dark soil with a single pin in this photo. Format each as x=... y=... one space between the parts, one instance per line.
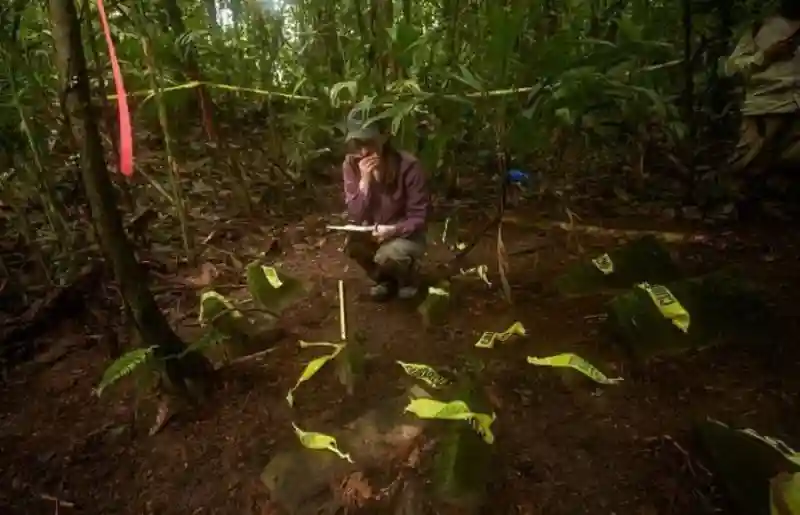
x=564 y=448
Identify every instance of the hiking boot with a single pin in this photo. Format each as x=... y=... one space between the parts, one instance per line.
x=381 y=291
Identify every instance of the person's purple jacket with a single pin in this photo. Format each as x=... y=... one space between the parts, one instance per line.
x=406 y=207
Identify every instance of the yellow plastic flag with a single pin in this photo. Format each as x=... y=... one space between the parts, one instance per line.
x=604 y=264
x=668 y=305
x=319 y=442
x=455 y=410
x=424 y=373
x=488 y=338
x=313 y=366
x=569 y=360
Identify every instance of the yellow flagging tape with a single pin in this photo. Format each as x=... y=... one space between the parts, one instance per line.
x=668 y=305
x=482 y=271
x=272 y=276
x=604 y=264
x=488 y=338
x=150 y=93
x=211 y=294
x=424 y=373
x=319 y=442
x=313 y=366
x=569 y=360
x=454 y=410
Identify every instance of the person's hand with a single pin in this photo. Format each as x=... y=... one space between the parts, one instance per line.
x=368 y=169
x=384 y=232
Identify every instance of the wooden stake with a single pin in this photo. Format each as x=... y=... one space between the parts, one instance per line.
x=342 y=319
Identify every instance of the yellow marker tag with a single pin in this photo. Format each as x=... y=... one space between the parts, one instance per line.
x=424 y=373
x=482 y=271
x=312 y=368
x=272 y=276
x=225 y=302
x=668 y=305
x=488 y=338
x=438 y=291
x=444 y=231
x=319 y=442
x=460 y=245
x=604 y=264
x=576 y=362
x=455 y=410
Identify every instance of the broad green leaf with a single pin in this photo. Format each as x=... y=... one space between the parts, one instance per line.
x=220 y=313
x=785 y=494
x=271 y=289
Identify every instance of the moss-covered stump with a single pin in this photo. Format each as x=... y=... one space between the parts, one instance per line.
x=746 y=464
x=643 y=259
x=401 y=464
x=716 y=306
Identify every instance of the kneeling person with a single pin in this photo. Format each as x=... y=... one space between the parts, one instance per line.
x=386 y=188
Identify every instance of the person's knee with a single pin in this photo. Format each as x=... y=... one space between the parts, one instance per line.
x=400 y=251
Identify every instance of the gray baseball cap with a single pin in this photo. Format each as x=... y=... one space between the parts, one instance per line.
x=357 y=128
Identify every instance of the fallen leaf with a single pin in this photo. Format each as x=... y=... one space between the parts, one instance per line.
x=207 y=274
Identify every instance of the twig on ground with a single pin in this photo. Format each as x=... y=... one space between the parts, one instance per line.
x=59 y=502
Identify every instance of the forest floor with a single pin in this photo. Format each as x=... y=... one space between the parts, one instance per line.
x=623 y=449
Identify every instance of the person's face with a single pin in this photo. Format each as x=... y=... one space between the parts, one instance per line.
x=364 y=148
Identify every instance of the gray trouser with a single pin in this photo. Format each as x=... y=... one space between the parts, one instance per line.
x=396 y=259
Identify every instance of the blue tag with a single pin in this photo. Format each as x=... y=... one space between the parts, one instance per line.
x=517 y=176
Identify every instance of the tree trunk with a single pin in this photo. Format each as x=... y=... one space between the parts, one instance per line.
x=189 y=376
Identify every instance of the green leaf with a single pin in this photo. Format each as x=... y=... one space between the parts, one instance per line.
x=218 y=312
x=273 y=290
x=785 y=494
x=350 y=86
x=123 y=366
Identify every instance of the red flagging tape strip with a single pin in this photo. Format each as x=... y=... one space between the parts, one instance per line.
x=125 y=135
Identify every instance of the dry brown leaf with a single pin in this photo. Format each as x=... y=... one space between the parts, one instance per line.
x=162 y=416
x=208 y=273
x=354 y=491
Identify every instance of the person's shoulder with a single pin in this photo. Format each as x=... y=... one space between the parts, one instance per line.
x=409 y=160
x=349 y=161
